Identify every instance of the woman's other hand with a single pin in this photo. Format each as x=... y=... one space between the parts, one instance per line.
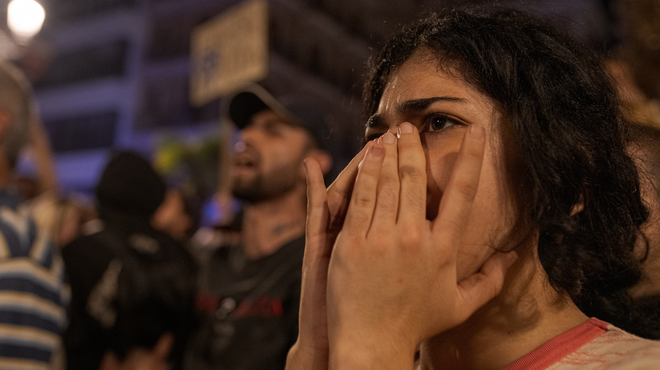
x=325 y=216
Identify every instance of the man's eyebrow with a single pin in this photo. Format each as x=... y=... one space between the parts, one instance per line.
x=418 y=105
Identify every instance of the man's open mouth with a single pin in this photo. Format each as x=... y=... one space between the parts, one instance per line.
x=244 y=161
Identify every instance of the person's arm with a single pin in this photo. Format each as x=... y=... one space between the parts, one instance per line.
x=392 y=276
x=42 y=156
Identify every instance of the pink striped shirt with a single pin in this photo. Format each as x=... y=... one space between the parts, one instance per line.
x=594 y=345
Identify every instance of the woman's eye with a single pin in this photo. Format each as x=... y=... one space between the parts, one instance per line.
x=438 y=123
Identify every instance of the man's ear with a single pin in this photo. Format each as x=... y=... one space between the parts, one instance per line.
x=323 y=157
x=5 y=121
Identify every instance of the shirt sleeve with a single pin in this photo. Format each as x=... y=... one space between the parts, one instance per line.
x=33 y=293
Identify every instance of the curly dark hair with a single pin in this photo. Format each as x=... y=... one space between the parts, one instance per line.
x=562 y=142
x=643 y=146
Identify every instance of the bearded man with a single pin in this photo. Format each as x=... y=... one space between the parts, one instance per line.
x=249 y=292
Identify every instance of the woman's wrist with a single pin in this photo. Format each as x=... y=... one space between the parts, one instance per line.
x=302 y=357
x=370 y=352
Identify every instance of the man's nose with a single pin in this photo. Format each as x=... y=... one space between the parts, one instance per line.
x=246 y=137
x=248 y=134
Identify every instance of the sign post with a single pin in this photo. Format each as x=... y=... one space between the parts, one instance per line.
x=227 y=52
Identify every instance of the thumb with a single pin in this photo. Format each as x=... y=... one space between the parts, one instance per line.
x=480 y=288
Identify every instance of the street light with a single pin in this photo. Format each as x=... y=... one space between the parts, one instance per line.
x=24 y=19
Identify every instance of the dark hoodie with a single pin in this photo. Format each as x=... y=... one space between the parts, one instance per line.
x=130 y=283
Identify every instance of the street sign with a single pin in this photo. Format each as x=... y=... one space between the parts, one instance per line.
x=229 y=51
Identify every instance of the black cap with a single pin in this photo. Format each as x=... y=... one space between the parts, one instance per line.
x=298 y=110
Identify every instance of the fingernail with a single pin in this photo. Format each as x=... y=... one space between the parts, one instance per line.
x=477 y=132
x=388 y=138
x=406 y=128
x=511 y=257
x=378 y=151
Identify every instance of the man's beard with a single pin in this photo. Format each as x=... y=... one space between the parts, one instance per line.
x=264 y=187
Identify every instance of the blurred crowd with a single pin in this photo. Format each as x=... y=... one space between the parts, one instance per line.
x=130 y=281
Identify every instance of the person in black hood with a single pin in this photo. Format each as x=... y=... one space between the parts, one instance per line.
x=132 y=284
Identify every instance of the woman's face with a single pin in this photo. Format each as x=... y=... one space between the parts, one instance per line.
x=442 y=106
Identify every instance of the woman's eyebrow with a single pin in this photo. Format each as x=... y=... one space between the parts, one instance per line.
x=375 y=120
x=412 y=106
x=418 y=105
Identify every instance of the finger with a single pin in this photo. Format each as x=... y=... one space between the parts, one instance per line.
x=339 y=192
x=412 y=174
x=387 y=200
x=363 y=199
x=480 y=288
x=317 y=209
x=312 y=319
x=317 y=251
x=458 y=198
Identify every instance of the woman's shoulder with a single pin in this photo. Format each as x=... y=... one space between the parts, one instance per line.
x=615 y=349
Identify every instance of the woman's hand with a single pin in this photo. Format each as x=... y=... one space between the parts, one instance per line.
x=392 y=277
x=325 y=216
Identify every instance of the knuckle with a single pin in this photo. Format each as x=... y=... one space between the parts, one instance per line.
x=467 y=189
x=411 y=173
x=389 y=179
x=363 y=201
x=370 y=169
x=411 y=237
